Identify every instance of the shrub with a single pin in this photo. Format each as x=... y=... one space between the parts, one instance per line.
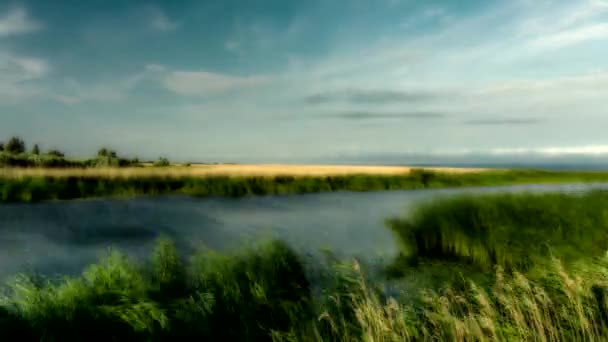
x=102 y=152
x=162 y=162
x=15 y=146
x=56 y=153
x=216 y=298
x=105 y=152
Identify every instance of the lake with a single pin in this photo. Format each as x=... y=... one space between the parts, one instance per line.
x=63 y=237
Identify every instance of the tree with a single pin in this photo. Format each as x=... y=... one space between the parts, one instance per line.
x=162 y=162
x=56 y=153
x=15 y=145
x=36 y=149
x=1 y=147
x=105 y=152
x=102 y=152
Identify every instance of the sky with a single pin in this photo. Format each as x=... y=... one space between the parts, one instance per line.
x=307 y=81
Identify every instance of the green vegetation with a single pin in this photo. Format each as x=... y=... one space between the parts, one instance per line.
x=214 y=297
x=264 y=295
x=513 y=231
x=37 y=188
x=13 y=154
x=161 y=162
x=15 y=146
x=269 y=294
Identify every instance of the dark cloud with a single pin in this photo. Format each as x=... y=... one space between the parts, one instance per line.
x=503 y=122
x=388 y=96
x=370 y=96
x=363 y=115
x=318 y=98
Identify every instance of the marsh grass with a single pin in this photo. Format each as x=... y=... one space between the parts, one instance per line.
x=264 y=295
x=514 y=231
x=32 y=187
x=211 y=296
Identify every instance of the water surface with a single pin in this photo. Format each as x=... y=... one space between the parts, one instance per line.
x=62 y=237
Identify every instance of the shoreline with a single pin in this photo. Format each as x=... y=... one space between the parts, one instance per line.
x=231 y=170
x=36 y=185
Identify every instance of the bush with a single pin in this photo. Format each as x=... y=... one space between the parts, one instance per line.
x=15 y=146
x=104 y=152
x=56 y=153
x=161 y=162
x=216 y=298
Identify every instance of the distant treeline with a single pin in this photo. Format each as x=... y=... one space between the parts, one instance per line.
x=14 y=153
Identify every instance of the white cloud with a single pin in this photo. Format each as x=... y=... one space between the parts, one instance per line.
x=75 y=92
x=556 y=151
x=161 y=22
x=572 y=36
x=18 y=74
x=17 y=21
x=207 y=83
x=72 y=92
x=18 y=68
x=548 y=151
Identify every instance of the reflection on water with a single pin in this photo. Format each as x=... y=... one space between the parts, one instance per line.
x=62 y=237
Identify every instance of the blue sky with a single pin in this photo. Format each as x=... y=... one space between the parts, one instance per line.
x=286 y=81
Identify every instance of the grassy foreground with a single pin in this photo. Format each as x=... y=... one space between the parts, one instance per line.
x=15 y=187
x=270 y=294
x=264 y=295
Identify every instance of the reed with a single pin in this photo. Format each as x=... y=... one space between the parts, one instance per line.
x=39 y=185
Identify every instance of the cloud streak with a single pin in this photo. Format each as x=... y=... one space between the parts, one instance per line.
x=503 y=122
x=18 y=77
x=365 y=115
x=360 y=96
x=201 y=83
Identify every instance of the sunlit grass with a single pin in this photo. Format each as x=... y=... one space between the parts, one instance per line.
x=228 y=170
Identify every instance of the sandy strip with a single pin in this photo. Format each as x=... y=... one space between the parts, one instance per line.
x=200 y=170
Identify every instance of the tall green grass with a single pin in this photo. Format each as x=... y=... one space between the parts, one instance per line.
x=33 y=189
x=210 y=297
x=264 y=295
x=513 y=231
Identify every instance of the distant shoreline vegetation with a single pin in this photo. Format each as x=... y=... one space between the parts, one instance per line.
x=27 y=188
x=14 y=153
x=56 y=177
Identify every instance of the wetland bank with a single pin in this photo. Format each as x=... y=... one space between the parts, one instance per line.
x=447 y=265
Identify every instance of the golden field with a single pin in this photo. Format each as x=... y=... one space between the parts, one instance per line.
x=231 y=170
